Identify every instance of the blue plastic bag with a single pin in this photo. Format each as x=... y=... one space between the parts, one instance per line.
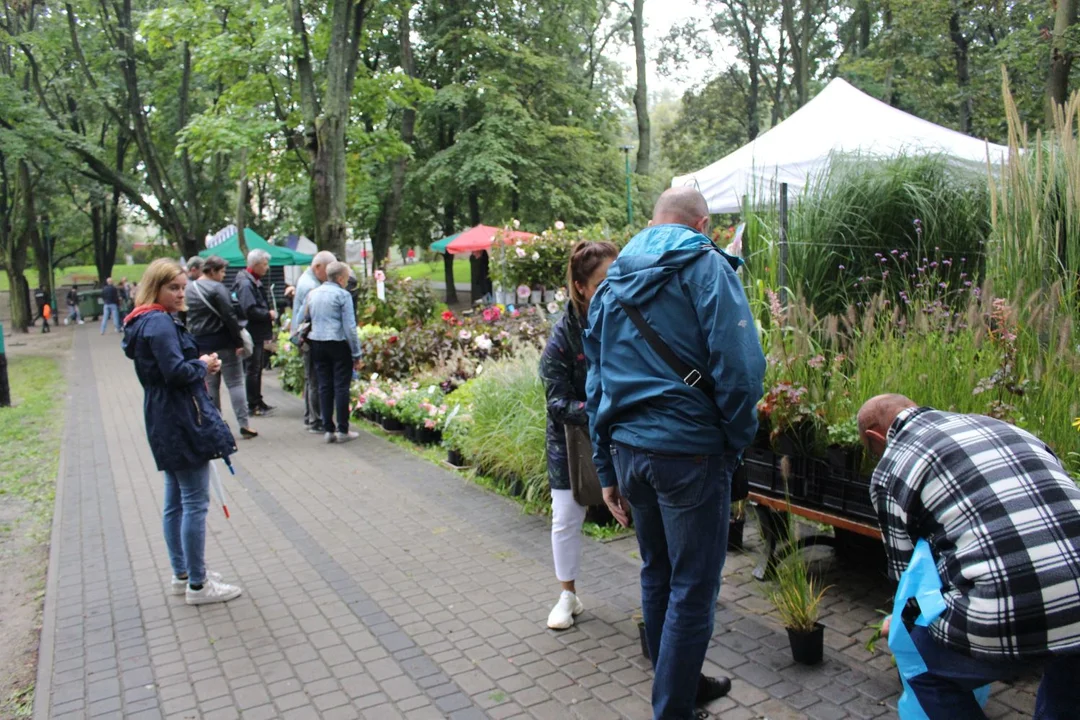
x=922 y=582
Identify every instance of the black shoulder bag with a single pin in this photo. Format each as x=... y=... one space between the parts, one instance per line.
x=693 y=377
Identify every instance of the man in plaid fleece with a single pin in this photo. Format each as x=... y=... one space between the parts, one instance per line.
x=1003 y=520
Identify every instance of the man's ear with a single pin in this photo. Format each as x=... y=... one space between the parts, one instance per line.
x=875 y=441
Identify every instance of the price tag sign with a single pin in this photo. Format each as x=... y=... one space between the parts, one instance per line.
x=380 y=289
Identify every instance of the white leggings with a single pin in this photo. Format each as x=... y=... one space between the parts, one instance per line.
x=567 y=517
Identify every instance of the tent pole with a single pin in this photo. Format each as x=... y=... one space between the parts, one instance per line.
x=782 y=270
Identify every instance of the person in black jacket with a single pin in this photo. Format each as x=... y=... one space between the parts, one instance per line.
x=73 y=306
x=212 y=320
x=110 y=300
x=255 y=307
x=184 y=428
x=563 y=370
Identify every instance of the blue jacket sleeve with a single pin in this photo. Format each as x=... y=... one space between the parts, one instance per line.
x=735 y=357
x=348 y=323
x=177 y=370
x=594 y=392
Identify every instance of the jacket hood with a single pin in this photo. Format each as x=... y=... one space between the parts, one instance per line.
x=133 y=327
x=653 y=257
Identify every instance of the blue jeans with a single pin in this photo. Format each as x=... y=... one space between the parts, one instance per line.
x=187 y=498
x=945 y=690
x=110 y=309
x=681 y=505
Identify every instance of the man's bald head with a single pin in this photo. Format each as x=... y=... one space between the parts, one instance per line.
x=320 y=262
x=876 y=416
x=682 y=206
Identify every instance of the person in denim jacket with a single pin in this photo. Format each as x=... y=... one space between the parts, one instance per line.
x=335 y=348
x=184 y=428
x=563 y=370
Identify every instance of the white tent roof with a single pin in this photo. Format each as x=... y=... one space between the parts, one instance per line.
x=840 y=119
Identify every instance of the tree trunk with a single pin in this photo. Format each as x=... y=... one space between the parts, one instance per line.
x=391 y=206
x=641 y=93
x=1061 y=58
x=41 y=242
x=242 y=191
x=963 y=73
x=474 y=207
x=449 y=211
x=754 y=92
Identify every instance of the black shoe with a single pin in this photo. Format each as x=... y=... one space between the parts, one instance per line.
x=248 y=433
x=702 y=715
x=709 y=689
x=315 y=429
x=260 y=412
x=265 y=408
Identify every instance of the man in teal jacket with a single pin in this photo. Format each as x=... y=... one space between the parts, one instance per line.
x=665 y=448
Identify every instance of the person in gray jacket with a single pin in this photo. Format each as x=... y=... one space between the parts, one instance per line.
x=312 y=278
x=213 y=321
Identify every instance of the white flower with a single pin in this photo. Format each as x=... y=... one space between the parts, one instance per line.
x=553 y=307
x=517 y=223
x=464 y=334
x=374 y=377
x=479 y=369
x=560 y=296
x=520 y=252
x=535 y=255
x=483 y=342
x=560 y=225
x=431 y=389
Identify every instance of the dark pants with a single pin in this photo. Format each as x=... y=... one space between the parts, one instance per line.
x=253 y=369
x=333 y=366
x=312 y=406
x=681 y=505
x=945 y=690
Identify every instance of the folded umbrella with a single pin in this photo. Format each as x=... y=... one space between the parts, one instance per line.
x=218 y=487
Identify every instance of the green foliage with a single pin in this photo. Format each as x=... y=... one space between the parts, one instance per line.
x=795 y=593
x=407 y=302
x=852 y=222
x=291 y=364
x=508 y=415
x=845 y=433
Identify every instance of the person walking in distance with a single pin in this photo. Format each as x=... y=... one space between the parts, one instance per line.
x=255 y=307
x=110 y=300
x=184 y=428
x=1001 y=517
x=563 y=370
x=335 y=349
x=73 y=306
x=675 y=373
x=311 y=278
x=212 y=320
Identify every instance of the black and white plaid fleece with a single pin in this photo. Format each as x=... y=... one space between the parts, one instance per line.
x=1003 y=519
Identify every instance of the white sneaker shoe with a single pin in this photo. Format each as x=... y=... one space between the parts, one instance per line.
x=347 y=436
x=329 y=437
x=212 y=591
x=179 y=587
x=563 y=614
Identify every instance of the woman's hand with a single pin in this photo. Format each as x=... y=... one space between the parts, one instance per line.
x=213 y=363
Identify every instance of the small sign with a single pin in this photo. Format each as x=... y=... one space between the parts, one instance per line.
x=380 y=289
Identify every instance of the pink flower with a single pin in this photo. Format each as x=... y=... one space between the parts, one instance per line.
x=560 y=225
x=520 y=252
x=379 y=276
x=429 y=424
x=523 y=291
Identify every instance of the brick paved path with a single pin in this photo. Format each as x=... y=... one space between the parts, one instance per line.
x=376 y=585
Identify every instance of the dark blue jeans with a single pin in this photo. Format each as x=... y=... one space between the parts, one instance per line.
x=333 y=366
x=680 y=505
x=945 y=689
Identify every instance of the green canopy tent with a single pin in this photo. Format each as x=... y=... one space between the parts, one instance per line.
x=439 y=246
x=229 y=250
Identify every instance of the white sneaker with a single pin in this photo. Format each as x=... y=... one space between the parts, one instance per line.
x=329 y=437
x=212 y=591
x=179 y=587
x=347 y=436
x=563 y=614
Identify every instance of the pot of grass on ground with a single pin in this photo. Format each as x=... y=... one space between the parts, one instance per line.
x=797 y=597
x=639 y=620
x=736 y=525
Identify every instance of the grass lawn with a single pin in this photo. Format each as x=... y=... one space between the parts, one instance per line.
x=82 y=273
x=30 y=434
x=433 y=271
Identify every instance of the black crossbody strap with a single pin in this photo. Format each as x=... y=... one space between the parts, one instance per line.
x=690 y=375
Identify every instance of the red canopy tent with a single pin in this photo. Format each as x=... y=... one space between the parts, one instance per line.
x=482 y=237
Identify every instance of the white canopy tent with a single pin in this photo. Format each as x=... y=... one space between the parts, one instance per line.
x=840 y=119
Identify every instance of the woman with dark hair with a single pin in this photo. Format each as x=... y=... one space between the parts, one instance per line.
x=563 y=370
x=184 y=428
x=212 y=320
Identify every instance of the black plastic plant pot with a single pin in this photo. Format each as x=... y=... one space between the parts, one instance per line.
x=843 y=459
x=807 y=648
x=391 y=424
x=644 y=640
x=424 y=436
x=735 y=534
x=455 y=458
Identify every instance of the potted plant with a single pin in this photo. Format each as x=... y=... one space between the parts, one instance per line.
x=845 y=447
x=454 y=428
x=736 y=525
x=797 y=598
x=639 y=620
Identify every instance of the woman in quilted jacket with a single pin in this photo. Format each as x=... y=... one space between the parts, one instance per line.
x=563 y=369
x=184 y=428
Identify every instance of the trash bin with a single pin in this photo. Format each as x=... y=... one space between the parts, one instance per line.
x=90 y=305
